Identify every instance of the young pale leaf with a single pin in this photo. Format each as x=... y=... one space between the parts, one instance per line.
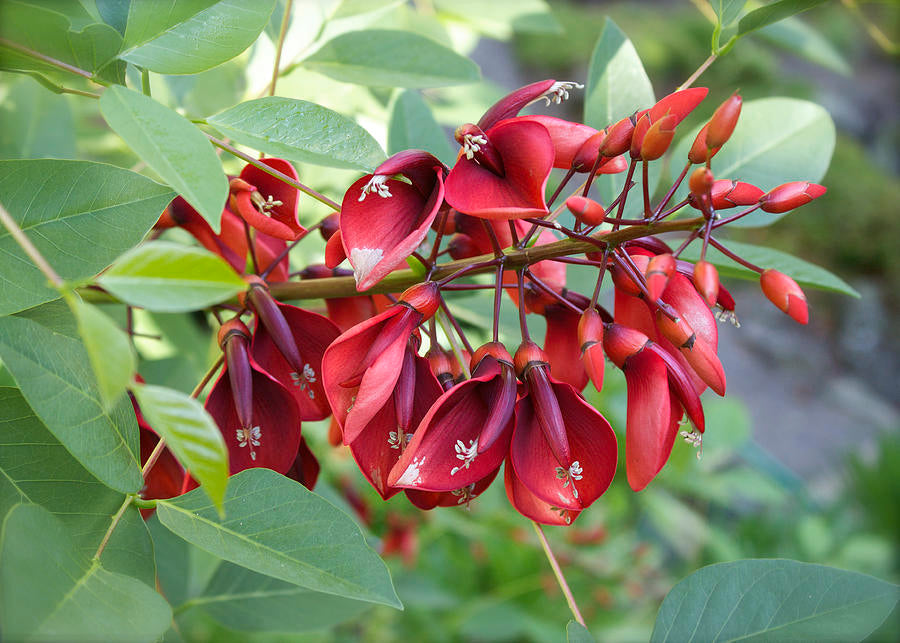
x=275 y=526
x=50 y=591
x=771 y=13
x=413 y=127
x=79 y=215
x=190 y=433
x=804 y=273
x=36 y=468
x=193 y=37
x=774 y=600
x=386 y=58
x=300 y=131
x=578 y=633
x=36 y=123
x=727 y=11
x=171 y=146
x=42 y=350
x=108 y=349
x=776 y=140
x=169 y=277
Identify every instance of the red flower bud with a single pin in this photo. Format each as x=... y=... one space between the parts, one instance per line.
x=657 y=274
x=492 y=349
x=658 y=137
x=623 y=279
x=528 y=354
x=590 y=337
x=723 y=120
x=699 y=153
x=330 y=225
x=789 y=196
x=424 y=298
x=700 y=182
x=706 y=280
x=462 y=246
x=621 y=342
x=587 y=211
x=618 y=138
x=784 y=292
x=730 y=194
x=587 y=154
x=637 y=137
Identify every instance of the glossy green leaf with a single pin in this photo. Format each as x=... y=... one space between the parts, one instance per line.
x=246 y=601
x=727 y=11
x=36 y=468
x=385 y=58
x=300 y=131
x=193 y=37
x=578 y=633
x=773 y=12
x=413 y=127
x=776 y=140
x=111 y=355
x=171 y=146
x=275 y=526
x=79 y=215
x=502 y=18
x=774 y=600
x=191 y=434
x=36 y=123
x=50 y=591
x=806 y=274
x=169 y=277
x=43 y=351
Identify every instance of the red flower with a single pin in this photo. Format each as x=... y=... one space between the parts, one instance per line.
x=265 y=202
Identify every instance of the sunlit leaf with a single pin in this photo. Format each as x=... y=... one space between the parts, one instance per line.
x=36 y=123
x=727 y=11
x=578 y=633
x=413 y=127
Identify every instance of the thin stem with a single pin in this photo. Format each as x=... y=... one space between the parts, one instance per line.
x=145 y=82
x=453 y=322
x=557 y=571
x=668 y=197
x=285 y=18
x=154 y=456
x=250 y=246
x=561 y=186
x=443 y=320
x=728 y=253
x=207 y=377
x=600 y=274
x=645 y=174
x=739 y=215
x=113 y=524
x=50 y=61
x=272 y=171
x=702 y=68
x=33 y=253
x=287 y=249
x=498 y=294
x=523 y=324
x=438 y=237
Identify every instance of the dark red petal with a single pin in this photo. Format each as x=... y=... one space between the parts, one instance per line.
x=511 y=104
x=562 y=346
x=430 y=499
x=567 y=137
x=242 y=204
x=530 y=506
x=305 y=469
x=268 y=185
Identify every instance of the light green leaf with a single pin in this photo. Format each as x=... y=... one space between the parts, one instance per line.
x=190 y=433
x=804 y=273
x=49 y=591
x=799 y=38
x=193 y=37
x=168 y=277
x=385 y=58
x=114 y=13
x=79 y=215
x=413 y=127
x=727 y=11
x=111 y=355
x=776 y=140
x=771 y=13
x=42 y=350
x=36 y=468
x=774 y=600
x=502 y=18
x=171 y=146
x=36 y=123
x=578 y=633
x=300 y=131
x=275 y=526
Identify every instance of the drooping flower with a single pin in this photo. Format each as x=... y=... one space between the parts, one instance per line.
x=265 y=202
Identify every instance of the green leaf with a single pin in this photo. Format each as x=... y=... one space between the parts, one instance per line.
x=79 y=215
x=42 y=350
x=36 y=468
x=169 y=277
x=277 y=527
x=771 y=13
x=502 y=18
x=193 y=37
x=776 y=140
x=114 y=13
x=799 y=38
x=727 y=11
x=171 y=146
x=774 y=600
x=50 y=591
x=111 y=355
x=413 y=127
x=804 y=273
x=386 y=58
x=191 y=435
x=300 y=131
x=246 y=601
x=36 y=123
x=578 y=633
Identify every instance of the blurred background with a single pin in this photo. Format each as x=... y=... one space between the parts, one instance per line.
x=801 y=459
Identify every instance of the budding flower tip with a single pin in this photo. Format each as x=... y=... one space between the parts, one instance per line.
x=424 y=298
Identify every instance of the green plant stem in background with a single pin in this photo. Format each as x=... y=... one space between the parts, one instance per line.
x=114 y=523
x=145 y=82
x=25 y=243
x=702 y=68
x=278 y=48
x=72 y=69
x=557 y=571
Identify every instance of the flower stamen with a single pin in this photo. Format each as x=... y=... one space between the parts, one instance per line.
x=376 y=185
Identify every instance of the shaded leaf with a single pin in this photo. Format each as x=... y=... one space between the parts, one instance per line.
x=774 y=600
x=190 y=37
x=42 y=350
x=502 y=18
x=36 y=123
x=578 y=633
x=277 y=527
x=413 y=127
x=300 y=131
x=799 y=38
x=773 y=12
x=190 y=433
x=171 y=146
x=50 y=591
x=169 y=277
x=386 y=58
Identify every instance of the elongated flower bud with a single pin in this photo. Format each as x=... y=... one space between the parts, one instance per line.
x=706 y=280
x=657 y=274
x=730 y=194
x=234 y=339
x=532 y=366
x=423 y=298
x=723 y=121
x=700 y=182
x=784 y=292
x=699 y=152
x=269 y=314
x=618 y=139
x=590 y=337
x=790 y=195
x=658 y=137
x=621 y=342
x=404 y=392
x=587 y=211
x=637 y=138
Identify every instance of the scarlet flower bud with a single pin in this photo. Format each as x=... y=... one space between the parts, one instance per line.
x=587 y=211
x=657 y=274
x=618 y=139
x=658 y=137
x=528 y=354
x=730 y=194
x=701 y=181
x=784 y=292
x=699 y=153
x=706 y=280
x=789 y=196
x=587 y=154
x=330 y=225
x=462 y=246
x=723 y=120
x=442 y=367
x=590 y=337
x=637 y=138
x=621 y=342
x=492 y=349
x=623 y=279
x=234 y=339
x=424 y=298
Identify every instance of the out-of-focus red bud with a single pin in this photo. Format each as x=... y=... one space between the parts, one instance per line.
x=699 y=153
x=623 y=279
x=330 y=225
x=706 y=280
x=449 y=221
x=790 y=195
x=334 y=250
x=618 y=139
x=723 y=120
x=729 y=194
x=637 y=137
x=657 y=274
x=701 y=181
x=658 y=137
x=462 y=246
x=424 y=298
x=590 y=337
x=621 y=342
x=587 y=211
x=587 y=154
x=784 y=292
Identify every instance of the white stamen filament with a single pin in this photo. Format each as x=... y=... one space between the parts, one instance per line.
x=472 y=143
x=376 y=185
x=466 y=454
x=249 y=437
